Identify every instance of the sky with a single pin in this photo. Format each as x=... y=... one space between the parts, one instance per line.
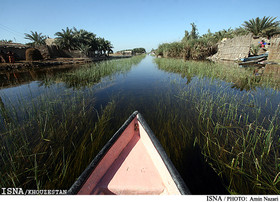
x=129 y=23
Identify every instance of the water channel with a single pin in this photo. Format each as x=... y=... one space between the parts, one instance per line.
x=168 y=101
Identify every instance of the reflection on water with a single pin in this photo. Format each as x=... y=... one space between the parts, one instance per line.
x=67 y=117
x=21 y=77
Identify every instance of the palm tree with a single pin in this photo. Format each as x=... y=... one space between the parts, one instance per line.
x=93 y=41
x=65 y=39
x=101 y=46
x=267 y=26
x=240 y=31
x=108 y=47
x=74 y=39
x=36 y=38
x=81 y=36
x=224 y=34
x=194 y=33
x=191 y=35
x=85 y=41
x=6 y=41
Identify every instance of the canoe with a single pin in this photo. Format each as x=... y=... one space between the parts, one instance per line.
x=132 y=162
x=255 y=58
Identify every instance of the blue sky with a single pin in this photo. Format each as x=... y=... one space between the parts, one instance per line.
x=128 y=23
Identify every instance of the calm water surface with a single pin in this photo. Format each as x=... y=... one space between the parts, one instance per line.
x=156 y=94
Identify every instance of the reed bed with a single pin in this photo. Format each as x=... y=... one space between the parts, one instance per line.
x=91 y=74
x=237 y=131
x=241 y=78
x=48 y=139
x=222 y=115
x=173 y=121
x=40 y=141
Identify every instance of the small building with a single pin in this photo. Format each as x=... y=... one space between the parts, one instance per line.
x=17 y=48
x=127 y=52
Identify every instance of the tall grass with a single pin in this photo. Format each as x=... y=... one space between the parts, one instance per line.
x=90 y=74
x=237 y=131
x=224 y=113
x=173 y=121
x=241 y=78
x=174 y=50
x=49 y=139
x=51 y=135
x=239 y=138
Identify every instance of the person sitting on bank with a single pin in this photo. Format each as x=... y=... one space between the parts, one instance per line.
x=262 y=44
x=11 y=57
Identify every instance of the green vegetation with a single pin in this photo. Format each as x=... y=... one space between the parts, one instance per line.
x=266 y=27
x=6 y=41
x=134 y=51
x=104 y=46
x=139 y=50
x=196 y=47
x=35 y=38
x=237 y=131
x=50 y=138
x=241 y=78
x=254 y=49
x=53 y=137
x=65 y=39
x=192 y=46
x=73 y=39
x=90 y=74
x=225 y=113
x=174 y=49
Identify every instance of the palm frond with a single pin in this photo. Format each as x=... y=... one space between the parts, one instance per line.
x=267 y=26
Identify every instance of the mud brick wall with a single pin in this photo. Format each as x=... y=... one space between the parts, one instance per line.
x=233 y=49
x=274 y=50
x=18 y=51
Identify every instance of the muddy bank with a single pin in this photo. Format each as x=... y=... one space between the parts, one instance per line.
x=52 y=62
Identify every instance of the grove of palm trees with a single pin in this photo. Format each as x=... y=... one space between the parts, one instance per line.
x=74 y=39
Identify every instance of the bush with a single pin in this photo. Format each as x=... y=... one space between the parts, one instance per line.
x=174 y=49
x=199 y=49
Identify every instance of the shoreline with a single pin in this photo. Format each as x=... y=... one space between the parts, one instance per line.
x=18 y=65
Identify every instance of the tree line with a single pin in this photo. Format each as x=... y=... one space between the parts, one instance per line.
x=133 y=51
x=194 y=46
x=74 y=39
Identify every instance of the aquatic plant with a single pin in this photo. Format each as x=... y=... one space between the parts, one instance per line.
x=237 y=131
x=48 y=139
x=92 y=73
x=38 y=149
x=238 y=138
x=212 y=120
x=242 y=78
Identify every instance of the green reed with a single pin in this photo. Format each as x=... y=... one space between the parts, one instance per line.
x=92 y=73
x=237 y=131
x=173 y=121
x=38 y=150
x=241 y=78
x=48 y=139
